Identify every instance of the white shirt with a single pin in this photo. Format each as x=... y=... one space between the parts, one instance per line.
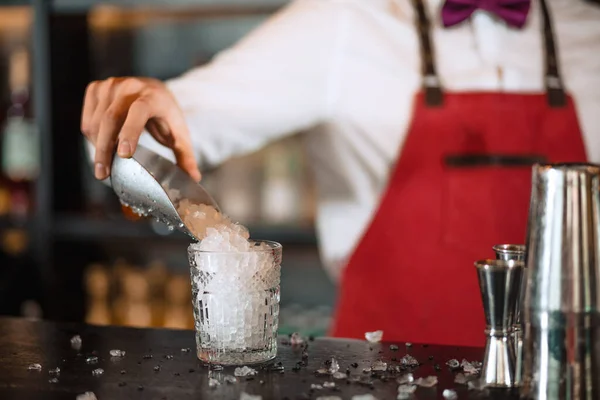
x=346 y=71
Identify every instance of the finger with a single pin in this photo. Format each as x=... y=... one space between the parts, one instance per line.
x=138 y=115
x=110 y=127
x=104 y=96
x=90 y=101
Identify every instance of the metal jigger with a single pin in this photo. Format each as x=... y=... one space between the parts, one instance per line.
x=515 y=252
x=499 y=285
x=561 y=307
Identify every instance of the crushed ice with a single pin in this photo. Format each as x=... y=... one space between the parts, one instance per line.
x=409 y=361
x=91 y=360
x=453 y=364
x=477 y=384
x=230 y=379
x=329 y=398
x=314 y=386
x=296 y=339
x=117 y=353
x=97 y=372
x=53 y=380
x=76 y=342
x=213 y=383
x=215 y=231
x=34 y=367
x=406 y=391
x=55 y=371
x=328 y=385
x=469 y=368
x=87 y=396
x=427 y=382
x=374 y=337
x=244 y=371
x=339 y=375
x=449 y=394
x=378 y=366
x=367 y=396
x=403 y=380
x=461 y=379
x=334 y=367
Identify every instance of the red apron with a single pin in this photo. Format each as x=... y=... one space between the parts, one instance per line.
x=461 y=185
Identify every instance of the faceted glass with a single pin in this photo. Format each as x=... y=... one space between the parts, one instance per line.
x=235 y=298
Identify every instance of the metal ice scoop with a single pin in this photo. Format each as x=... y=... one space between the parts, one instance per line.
x=152 y=185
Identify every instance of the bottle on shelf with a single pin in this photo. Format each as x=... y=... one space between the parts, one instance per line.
x=20 y=139
x=97 y=285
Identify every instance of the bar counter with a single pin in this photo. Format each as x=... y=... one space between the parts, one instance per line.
x=162 y=364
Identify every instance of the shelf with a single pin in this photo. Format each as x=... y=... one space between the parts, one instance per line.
x=220 y=7
x=12 y=223
x=76 y=228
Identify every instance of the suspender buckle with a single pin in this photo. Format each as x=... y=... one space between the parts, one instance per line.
x=553 y=82
x=431 y=81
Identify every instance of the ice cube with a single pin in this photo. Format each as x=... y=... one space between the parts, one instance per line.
x=34 y=367
x=378 y=366
x=97 y=372
x=468 y=367
x=450 y=394
x=87 y=396
x=334 y=366
x=461 y=379
x=246 y=396
x=244 y=371
x=374 y=337
x=404 y=379
x=328 y=385
x=427 y=382
x=76 y=342
x=409 y=361
x=453 y=364
x=55 y=371
x=213 y=383
x=117 y=353
x=406 y=391
x=296 y=339
x=339 y=375
x=314 y=386
x=367 y=396
x=476 y=384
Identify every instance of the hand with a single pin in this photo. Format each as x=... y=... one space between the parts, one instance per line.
x=115 y=112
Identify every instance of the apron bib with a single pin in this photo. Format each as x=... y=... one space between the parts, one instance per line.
x=461 y=184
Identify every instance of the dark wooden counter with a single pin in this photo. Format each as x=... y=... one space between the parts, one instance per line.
x=135 y=376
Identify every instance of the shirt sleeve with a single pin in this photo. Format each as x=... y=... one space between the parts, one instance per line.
x=272 y=83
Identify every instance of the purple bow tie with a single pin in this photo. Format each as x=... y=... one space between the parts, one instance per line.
x=514 y=12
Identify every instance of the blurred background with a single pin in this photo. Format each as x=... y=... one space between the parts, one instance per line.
x=68 y=249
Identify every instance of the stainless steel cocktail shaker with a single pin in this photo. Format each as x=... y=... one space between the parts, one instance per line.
x=561 y=306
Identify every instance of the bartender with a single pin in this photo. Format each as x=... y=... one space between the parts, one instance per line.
x=423 y=119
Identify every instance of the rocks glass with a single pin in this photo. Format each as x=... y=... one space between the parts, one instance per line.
x=235 y=297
